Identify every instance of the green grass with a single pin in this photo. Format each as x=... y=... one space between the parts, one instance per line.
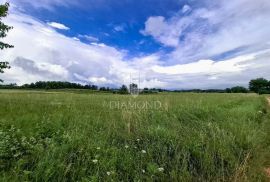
x=72 y=136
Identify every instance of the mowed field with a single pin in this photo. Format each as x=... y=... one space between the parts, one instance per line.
x=73 y=136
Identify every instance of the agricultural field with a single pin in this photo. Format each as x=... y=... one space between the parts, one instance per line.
x=73 y=136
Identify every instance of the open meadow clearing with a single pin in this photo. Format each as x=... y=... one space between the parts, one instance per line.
x=134 y=90
x=65 y=136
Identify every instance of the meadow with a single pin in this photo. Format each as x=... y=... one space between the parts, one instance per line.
x=73 y=136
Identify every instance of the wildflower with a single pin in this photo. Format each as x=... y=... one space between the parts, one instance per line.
x=96 y=156
x=143 y=151
x=160 y=169
x=126 y=146
x=95 y=161
x=108 y=173
x=143 y=171
x=260 y=112
x=98 y=148
x=138 y=139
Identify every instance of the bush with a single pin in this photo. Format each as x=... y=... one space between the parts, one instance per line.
x=263 y=91
x=238 y=89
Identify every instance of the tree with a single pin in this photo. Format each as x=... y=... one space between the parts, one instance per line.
x=123 y=89
x=102 y=89
x=58 y=85
x=3 y=33
x=133 y=88
x=228 y=90
x=238 y=89
x=258 y=84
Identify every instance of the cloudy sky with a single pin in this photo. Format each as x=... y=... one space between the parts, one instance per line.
x=173 y=44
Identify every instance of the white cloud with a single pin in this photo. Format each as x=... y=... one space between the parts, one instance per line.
x=75 y=38
x=98 y=80
x=162 y=31
x=208 y=66
x=89 y=38
x=44 y=4
x=213 y=29
x=58 y=25
x=41 y=53
x=119 y=28
x=186 y=8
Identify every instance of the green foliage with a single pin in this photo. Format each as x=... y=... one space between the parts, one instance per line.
x=49 y=136
x=123 y=89
x=237 y=89
x=104 y=89
x=259 y=84
x=3 y=33
x=57 y=85
x=264 y=91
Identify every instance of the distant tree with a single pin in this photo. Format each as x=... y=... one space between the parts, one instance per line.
x=9 y=86
x=3 y=33
x=133 y=88
x=146 y=91
x=102 y=89
x=59 y=85
x=94 y=87
x=123 y=89
x=264 y=91
x=258 y=84
x=105 y=89
x=239 y=89
x=228 y=90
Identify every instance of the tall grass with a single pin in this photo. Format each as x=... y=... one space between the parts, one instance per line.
x=78 y=137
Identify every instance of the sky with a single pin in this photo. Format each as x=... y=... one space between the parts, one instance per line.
x=172 y=44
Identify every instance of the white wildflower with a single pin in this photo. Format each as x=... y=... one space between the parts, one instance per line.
x=143 y=171
x=160 y=169
x=143 y=151
x=108 y=173
x=126 y=146
x=95 y=161
x=98 y=148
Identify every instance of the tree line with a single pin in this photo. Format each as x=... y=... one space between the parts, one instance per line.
x=50 y=85
x=46 y=85
x=259 y=85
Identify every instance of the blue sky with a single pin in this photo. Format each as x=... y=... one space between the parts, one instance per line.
x=175 y=44
x=115 y=23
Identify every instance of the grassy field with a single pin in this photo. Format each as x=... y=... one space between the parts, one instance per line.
x=65 y=136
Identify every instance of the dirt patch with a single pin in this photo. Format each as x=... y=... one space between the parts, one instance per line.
x=267 y=171
x=268 y=99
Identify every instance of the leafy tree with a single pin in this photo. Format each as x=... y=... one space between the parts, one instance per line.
x=3 y=33
x=238 y=89
x=103 y=89
x=258 y=84
x=133 y=88
x=123 y=89
x=58 y=85
x=228 y=90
